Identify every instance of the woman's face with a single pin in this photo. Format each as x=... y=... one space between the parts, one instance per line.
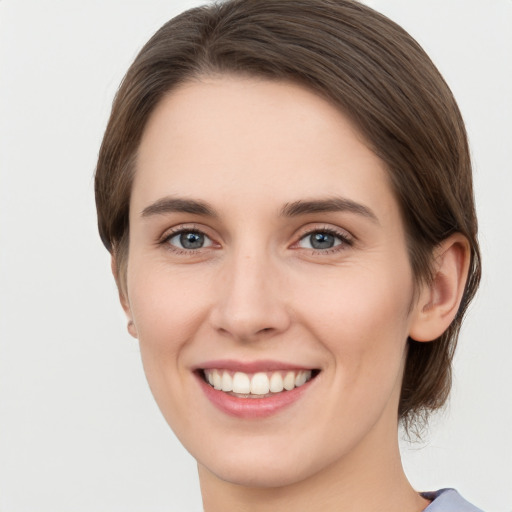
x=267 y=249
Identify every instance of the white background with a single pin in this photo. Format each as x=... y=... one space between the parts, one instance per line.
x=78 y=428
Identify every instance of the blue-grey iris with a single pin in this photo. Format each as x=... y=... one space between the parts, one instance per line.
x=322 y=240
x=192 y=240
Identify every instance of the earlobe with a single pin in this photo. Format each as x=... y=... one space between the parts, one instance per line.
x=439 y=300
x=123 y=299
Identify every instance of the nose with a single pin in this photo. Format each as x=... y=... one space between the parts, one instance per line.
x=250 y=303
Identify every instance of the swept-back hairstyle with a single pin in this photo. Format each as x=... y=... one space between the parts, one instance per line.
x=365 y=65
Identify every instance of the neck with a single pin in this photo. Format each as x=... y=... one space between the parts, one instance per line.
x=369 y=479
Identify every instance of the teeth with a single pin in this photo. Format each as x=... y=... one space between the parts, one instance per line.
x=276 y=383
x=300 y=379
x=289 y=381
x=217 y=380
x=260 y=383
x=241 y=383
x=227 y=382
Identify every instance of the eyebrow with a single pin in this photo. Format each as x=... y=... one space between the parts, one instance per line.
x=179 y=205
x=330 y=204
x=302 y=207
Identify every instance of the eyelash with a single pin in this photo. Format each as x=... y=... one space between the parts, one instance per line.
x=344 y=238
x=169 y=235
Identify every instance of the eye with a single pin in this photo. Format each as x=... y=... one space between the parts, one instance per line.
x=322 y=240
x=189 y=240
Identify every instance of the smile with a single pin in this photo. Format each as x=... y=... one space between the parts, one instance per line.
x=254 y=390
x=256 y=385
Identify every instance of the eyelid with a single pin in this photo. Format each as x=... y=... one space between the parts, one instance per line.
x=186 y=228
x=347 y=239
x=208 y=241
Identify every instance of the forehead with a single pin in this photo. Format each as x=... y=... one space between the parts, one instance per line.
x=240 y=141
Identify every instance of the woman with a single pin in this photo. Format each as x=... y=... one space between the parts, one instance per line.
x=285 y=189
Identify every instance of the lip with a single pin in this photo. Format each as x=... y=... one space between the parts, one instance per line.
x=250 y=367
x=251 y=408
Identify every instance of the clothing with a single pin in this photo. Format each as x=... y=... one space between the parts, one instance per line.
x=448 y=500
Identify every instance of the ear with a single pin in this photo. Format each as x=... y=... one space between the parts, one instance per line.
x=123 y=299
x=439 y=301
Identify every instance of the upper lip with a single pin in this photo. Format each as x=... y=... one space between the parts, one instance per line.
x=250 y=366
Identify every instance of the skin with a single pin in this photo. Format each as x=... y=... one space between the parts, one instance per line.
x=257 y=290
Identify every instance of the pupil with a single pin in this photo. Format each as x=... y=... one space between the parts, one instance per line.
x=192 y=240
x=322 y=241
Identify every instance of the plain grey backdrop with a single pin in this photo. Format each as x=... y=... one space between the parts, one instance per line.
x=79 y=431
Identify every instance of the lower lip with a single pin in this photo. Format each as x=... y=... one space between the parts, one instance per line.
x=252 y=408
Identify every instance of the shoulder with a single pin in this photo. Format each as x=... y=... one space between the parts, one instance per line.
x=448 y=500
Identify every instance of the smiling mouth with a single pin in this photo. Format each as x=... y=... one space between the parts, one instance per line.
x=256 y=385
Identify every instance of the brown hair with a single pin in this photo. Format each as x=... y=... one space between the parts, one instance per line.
x=368 y=67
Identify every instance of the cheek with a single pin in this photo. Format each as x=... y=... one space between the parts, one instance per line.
x=165 y=305
x=167 y=311
x=167 y=314
x=362 y=318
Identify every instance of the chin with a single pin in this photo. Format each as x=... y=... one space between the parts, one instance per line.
x=259 y=474
x=263 y=462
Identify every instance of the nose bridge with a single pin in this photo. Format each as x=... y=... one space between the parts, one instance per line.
x=250 y=300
